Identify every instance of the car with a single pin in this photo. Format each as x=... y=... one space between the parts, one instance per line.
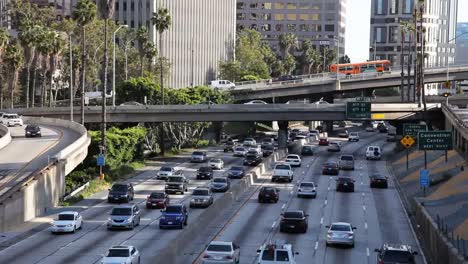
x=198 y=156
x=294 y=221
x=222 y=84
x=343 y=134
x=205 y=172
x=373 y=153
x=252 y=159
x=175 y=215
x=268 y=140
x=330 y=168
x=121 y=192
x=32 y=131
x=353 y=136
x=240 y=152
x=340 y=233
x=378 y=181
x=255 y=150
x=121 y=255
x=370 y=129
x=391 y=138
x=220 y=184
x=395 y=253
x=221 y=252
x=382 y=128
x=334 y=146
x=11 y=120
x=236 y=172
x=131 y=103
x=323 y=141
x=276 y=253
x=285 y=78
x=346 y=162
x=157 y=200
x=268 y=194
x=249 y=142
x=176 y=184
x=282 y=171
x=300 y=137
x=256 y=102
x=216 y=164
x=307 y=189
x=293 y=160
x=124 y=217
x=201 y=197
x=313 y=132
x=68 y=221
x=342 y=123
x=307 y=150
x=344 y=184
x=267 y=150
x=164 y=172
x=229 y=146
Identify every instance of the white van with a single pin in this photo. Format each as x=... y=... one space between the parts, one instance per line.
x=373 y=152
x=222 y=84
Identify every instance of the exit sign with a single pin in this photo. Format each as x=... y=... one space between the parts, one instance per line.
x=358 y=110
x=435 y=140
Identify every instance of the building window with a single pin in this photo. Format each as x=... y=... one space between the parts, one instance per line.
x=330 y=17
x=254 y=27
x=240 y=5
x=279 y=6
x=304 y=27
x=116 y=6
x=303 y=17
x=254 y=6
x=253 y=16
x=393 y=7
x=380 y=7
x=392 y=58
x=380 y=34
x=330 y=6
x=266 y=6
x=292 y=17
x=125 y=7
x=279 y=27
x=240 y=27
x=316 y=28
x=267 y=16
x=266 y=27
x=315 y=17
x=240 y=16
x=330 y=28
x=304 y=6
x=393 y=34
x=292 y=27
x=132 y=6
x=291 y=6
x=279 y=17
x=408 y=6
x=132 y=24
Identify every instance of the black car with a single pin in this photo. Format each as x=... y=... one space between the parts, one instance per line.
x=307 y=150
x=121 y=192
x=236 y=172
x=330 y=168
x=382 y=128
x=344 y=184
x=252 y=159
x=268 y=150
x=285 y=78
x=205 y=172
x=268 y=194
x=378 y=181
x=294 y=221
x=390 y=254
x=32 y=131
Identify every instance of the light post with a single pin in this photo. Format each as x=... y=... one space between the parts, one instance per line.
x=337 y=42
x=71 y=77
x=113 y=63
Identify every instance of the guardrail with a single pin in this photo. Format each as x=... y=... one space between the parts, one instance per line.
x=5 y=136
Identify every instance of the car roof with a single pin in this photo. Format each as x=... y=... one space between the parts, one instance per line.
x=121 y=247
x=202 y=188
x=221 y=243
x=68 y=212
x=293 y=155
x=295 y=211
x=341 y=223
x=124 y=206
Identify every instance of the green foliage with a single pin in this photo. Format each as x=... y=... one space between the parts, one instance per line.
x=202 y=143
x=249 y=78
x=135 y=89
x=289 y=64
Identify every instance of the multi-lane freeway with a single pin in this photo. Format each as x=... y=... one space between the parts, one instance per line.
x=377 y=213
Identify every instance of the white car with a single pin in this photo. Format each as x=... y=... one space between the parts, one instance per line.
x=334 y=146
x=276 y=254
x=373 y=153
x=165 y=172
x=121 y=255
x=249 y=142
x=221 y=252
x=222 y=84
x=256 y=102
x=293 y=160
x=353 y=136
x=68 y=221
x=282 y=171
x=307 y=189
x=370 y=129
x=216 y=164
x=11 y=120
x=340 y=233
x=240 y=152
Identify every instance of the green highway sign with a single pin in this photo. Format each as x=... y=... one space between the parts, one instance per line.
x=435 y=140
x=413 y=129
x=358 y=110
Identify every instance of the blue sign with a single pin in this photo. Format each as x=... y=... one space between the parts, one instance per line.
x=101 y=161
x=424 y=180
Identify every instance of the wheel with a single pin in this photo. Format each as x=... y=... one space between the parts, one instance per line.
x=138 y=261
x=185 y=221
x=133 y=225
x=181 y=226
x=74 y=229
x=81 y=226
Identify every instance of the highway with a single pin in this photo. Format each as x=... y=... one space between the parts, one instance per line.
x=377 y=213
x=25 y=155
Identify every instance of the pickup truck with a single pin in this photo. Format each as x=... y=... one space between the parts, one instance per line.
x=175 y=184
x=282 y=172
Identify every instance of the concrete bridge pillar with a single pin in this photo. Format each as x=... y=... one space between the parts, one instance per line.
x=218 y=128
x=283 y=134
x=328 y=127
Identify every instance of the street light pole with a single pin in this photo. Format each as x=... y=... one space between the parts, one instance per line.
x=71 y=78
x=337 y=41
x=113 y=64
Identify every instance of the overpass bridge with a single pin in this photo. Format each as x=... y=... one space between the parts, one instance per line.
x=328 y=83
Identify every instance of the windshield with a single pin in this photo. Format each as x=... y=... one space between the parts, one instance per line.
x=219 y=180
x=118 y=253
x=240 y=149
x=330 y=164
x=282 y=167
x=347 y=158
x=66 y=217
x=221 y=248
x=307 y=147
x=121 y=211
x=397 y=256
x=11 y=116
x=307 y=184
x=205 y=169
x=353 y=134
x=282 y=255
x=215 y=161
x=173 y=209
x=197 y=153
x=236 y=168
x=200 y=192
x=251 y=156
x=292 y=157
x=340 y=228
x=119 y=188
x=292 y=215
x=175 y=179
x=166 y=169
x=157 y=195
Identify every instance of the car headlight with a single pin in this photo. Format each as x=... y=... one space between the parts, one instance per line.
x=111 y=195
x=162 y=218
x=28 y=132
x=69 y=225
x=166 y=186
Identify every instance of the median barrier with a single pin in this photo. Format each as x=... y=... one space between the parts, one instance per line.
x=5 y=136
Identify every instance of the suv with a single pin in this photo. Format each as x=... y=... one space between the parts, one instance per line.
x=11 y=120
x=198 y=156
x=174 y=215
x=121 y=192
x=32 y=131
x=294 y=221
x=126 y=216
x=346 y=162
x=267 y=194
x=307 y=150
x=389 y=254
x=373 y=152
x=252 y=159
x=205 y=172
x=353 y=136
x=164 y=172
x=276 y=254
x=175 y=184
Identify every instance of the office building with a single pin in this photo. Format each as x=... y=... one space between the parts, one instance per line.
x=461 y=56
x=320 y=21
x=201 y=35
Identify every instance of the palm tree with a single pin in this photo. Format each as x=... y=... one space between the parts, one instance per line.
x=56 y=48
x=4 y=38
x=44 y=48
x=14 y=62
x=150 y=53
x=287 y=42
x=84 y=13
x=143 y=39
x=28 y=38
x=309 y=56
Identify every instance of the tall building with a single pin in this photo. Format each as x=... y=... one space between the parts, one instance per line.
x=201 y=35
x=321 y=21
x=461 y=56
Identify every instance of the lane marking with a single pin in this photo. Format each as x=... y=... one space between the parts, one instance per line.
x=364 y=207
x=325 y=202
x=321 y=221
x=316 y=245
x=283 y=206
x=365 y=225
x=328 y=188
x=273 y=225
x=367 y=252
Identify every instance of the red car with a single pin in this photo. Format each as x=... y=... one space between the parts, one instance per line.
x=157 y=200
x=330 y=168
x=323 y=142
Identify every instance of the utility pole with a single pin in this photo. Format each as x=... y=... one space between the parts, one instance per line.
x=402 y=74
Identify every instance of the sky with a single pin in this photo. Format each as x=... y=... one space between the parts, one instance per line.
x=358 y=27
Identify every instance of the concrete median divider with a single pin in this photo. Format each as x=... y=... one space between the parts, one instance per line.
x=5 y=136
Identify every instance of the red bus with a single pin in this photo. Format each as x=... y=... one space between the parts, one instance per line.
x=362 y=67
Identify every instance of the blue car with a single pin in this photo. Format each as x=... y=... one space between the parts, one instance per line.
x=175 y=215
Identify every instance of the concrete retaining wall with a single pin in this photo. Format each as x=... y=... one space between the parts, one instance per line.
x=5 y=137
x=45 y=187
x=438 y=248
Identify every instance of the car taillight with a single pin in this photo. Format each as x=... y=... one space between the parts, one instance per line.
x=381 y=261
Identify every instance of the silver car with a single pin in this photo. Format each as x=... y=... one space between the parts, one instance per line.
x=220 y=184
x=124 y=217
x=346 y=162
x=307 y=189
x=219 y=252
x=340 y=233
x=201 y=197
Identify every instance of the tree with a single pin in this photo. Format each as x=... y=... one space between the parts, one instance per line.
x=162 y=21
x=44 y=48
x=56 y=47
x=142 y=37
x=309 y=56
x=289 y=64
x=14 y=62
x=84 y=13
x=4 y=39
x=135 y=89
x=345 y=59
x=28 y=39
x=287 y=42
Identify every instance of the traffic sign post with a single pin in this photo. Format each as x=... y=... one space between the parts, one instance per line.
x=358 y=110
x=101 y=160
x=424 y=180
x=435 y=140
x=407 y=142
